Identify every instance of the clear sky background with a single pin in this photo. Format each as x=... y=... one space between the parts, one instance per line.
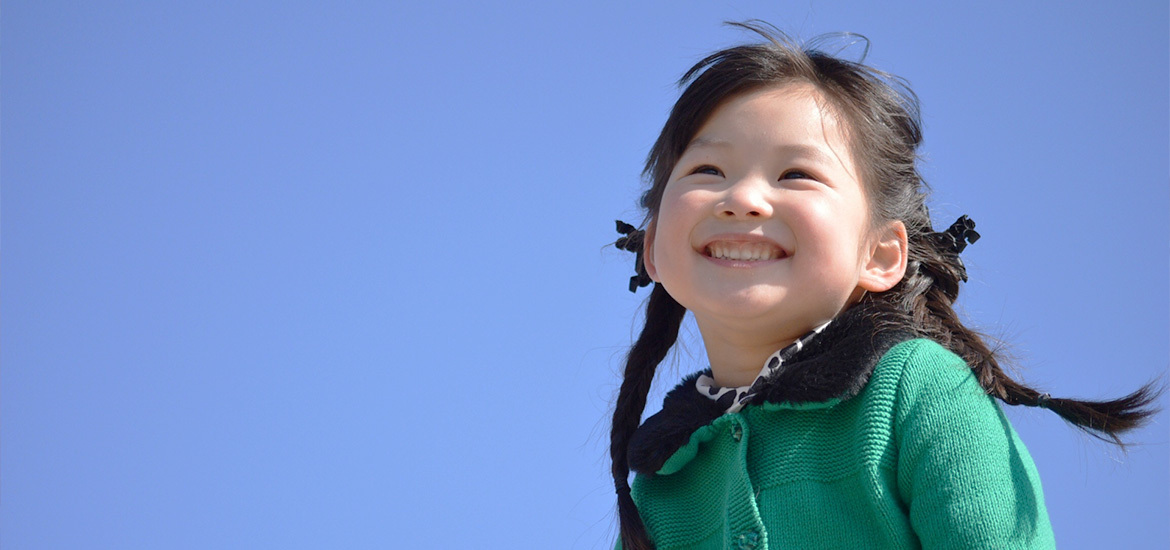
x=295 y=275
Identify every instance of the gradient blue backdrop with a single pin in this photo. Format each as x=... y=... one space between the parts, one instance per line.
x=294 y=275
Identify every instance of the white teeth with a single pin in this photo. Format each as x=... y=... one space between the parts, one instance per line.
x=749 y=252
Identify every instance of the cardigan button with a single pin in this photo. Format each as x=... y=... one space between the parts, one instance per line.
x=737 y=432
x=748 y=541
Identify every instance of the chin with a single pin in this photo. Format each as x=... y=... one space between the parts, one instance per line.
x=742 y=306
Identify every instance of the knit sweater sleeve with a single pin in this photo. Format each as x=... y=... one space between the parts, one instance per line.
x=963 y=474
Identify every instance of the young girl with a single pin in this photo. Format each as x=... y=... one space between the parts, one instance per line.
x=846 y=405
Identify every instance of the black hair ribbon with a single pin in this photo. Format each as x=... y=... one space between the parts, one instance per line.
x=956 y=238
x=633 y=241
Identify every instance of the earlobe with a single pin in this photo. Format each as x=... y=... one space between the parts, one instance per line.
x=648 y=252
x=887 y=261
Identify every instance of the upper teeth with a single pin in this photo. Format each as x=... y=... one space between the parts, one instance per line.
x=743 y=251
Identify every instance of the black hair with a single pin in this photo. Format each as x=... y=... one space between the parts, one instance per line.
x=884 y=132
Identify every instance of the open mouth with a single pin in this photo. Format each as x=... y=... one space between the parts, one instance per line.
x=744 y=251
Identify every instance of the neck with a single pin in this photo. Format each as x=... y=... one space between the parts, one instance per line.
x=737 y=357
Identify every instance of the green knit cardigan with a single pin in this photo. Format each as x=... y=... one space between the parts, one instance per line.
x=920 y=457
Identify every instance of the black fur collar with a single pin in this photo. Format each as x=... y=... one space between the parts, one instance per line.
x=835 y=364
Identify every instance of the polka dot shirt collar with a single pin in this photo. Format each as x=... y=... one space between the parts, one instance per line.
x=734 y=399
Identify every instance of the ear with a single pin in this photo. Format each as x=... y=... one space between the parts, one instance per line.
x=648 y=251
x=887 y=259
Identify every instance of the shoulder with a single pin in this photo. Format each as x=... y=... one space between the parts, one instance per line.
x=941 y=413
x=923 y=384
x=922 y=357
x=684 y=411
x=963 y=473
x=923 y=368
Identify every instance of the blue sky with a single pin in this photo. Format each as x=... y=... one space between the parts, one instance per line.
x=304 y=275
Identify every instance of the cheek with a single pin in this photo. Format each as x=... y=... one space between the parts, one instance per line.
x=671 y=239
x=666 y=240
x=677 y=214
x=837 y=230
x=673 y=198
x=826 y=222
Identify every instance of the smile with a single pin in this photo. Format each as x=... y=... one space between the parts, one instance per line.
x=743 y=251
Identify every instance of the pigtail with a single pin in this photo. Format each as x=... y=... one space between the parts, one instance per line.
x=663 y=317
x=1104 y=420
x=927 y=294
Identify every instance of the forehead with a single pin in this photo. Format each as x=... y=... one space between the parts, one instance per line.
x=795 y=103
x=797 y=116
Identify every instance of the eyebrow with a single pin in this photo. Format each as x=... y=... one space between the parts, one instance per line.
x=810 y=151
x=708 y=142
x=817 y=154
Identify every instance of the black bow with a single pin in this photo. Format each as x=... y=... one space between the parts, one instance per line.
x=956 y=238
x=632 y=242
x=960 y=234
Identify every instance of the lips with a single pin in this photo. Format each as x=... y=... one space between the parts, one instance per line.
x=743 y=249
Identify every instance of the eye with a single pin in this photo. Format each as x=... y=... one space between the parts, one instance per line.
x=707 y=169
x=796 y=175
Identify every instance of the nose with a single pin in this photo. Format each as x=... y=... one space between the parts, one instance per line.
x=746 y=198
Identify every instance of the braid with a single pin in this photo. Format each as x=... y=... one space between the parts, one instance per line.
x=927 y=294
x=663 y=317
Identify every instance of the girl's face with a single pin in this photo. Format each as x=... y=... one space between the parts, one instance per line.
x=764 y=224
